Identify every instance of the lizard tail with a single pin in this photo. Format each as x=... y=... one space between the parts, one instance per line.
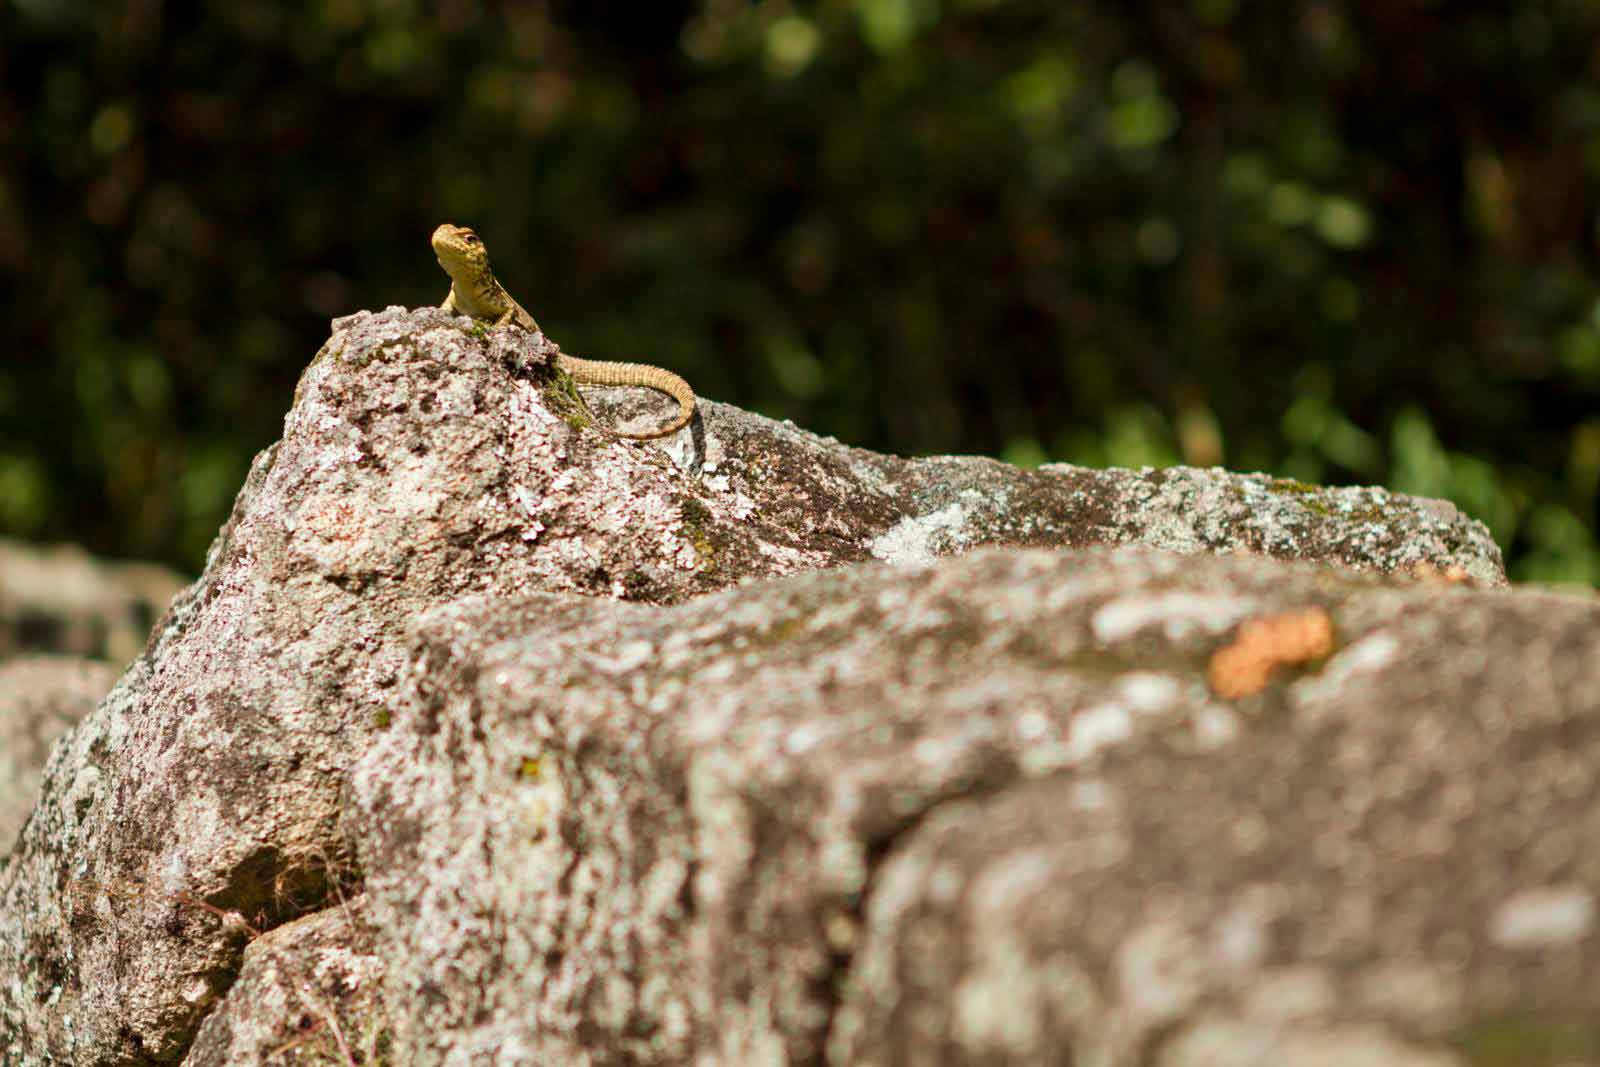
x=605 y=372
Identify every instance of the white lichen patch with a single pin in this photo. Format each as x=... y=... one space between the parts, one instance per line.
x=1542 y=918
x=913 y=540
x=1147 y=691
x=1179 y=615
x=1366 y=656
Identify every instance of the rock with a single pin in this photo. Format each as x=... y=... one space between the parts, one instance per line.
x=427 y=463
x=40 y=698
x=307 y=993
x=805 y=501
x=61 y=600
x=990 y=810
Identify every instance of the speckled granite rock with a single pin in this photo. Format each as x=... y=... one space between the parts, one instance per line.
x=308 y=993
x=422 y=462
x=993 y=810
x=775 y=499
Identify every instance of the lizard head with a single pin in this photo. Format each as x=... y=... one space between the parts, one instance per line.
x=460 y=252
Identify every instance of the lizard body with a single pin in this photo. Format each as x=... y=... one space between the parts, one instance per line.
x=475 y=291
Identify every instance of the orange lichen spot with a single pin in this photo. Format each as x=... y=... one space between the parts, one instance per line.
x=1244 y=667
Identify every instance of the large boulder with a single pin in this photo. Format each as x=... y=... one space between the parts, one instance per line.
x=1115 y=807
x=429 y=465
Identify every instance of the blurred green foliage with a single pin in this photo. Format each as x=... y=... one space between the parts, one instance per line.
x=1342 y=241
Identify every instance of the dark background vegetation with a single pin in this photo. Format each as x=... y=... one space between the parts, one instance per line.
x=1339 y=241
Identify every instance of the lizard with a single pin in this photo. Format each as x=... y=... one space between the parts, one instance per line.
x=476 y=292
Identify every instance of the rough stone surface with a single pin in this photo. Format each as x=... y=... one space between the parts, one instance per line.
x=426 y=460
x=61 y=600
x=307 y=994
x=807 y=501
x=990 y=810
x=40 y=698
